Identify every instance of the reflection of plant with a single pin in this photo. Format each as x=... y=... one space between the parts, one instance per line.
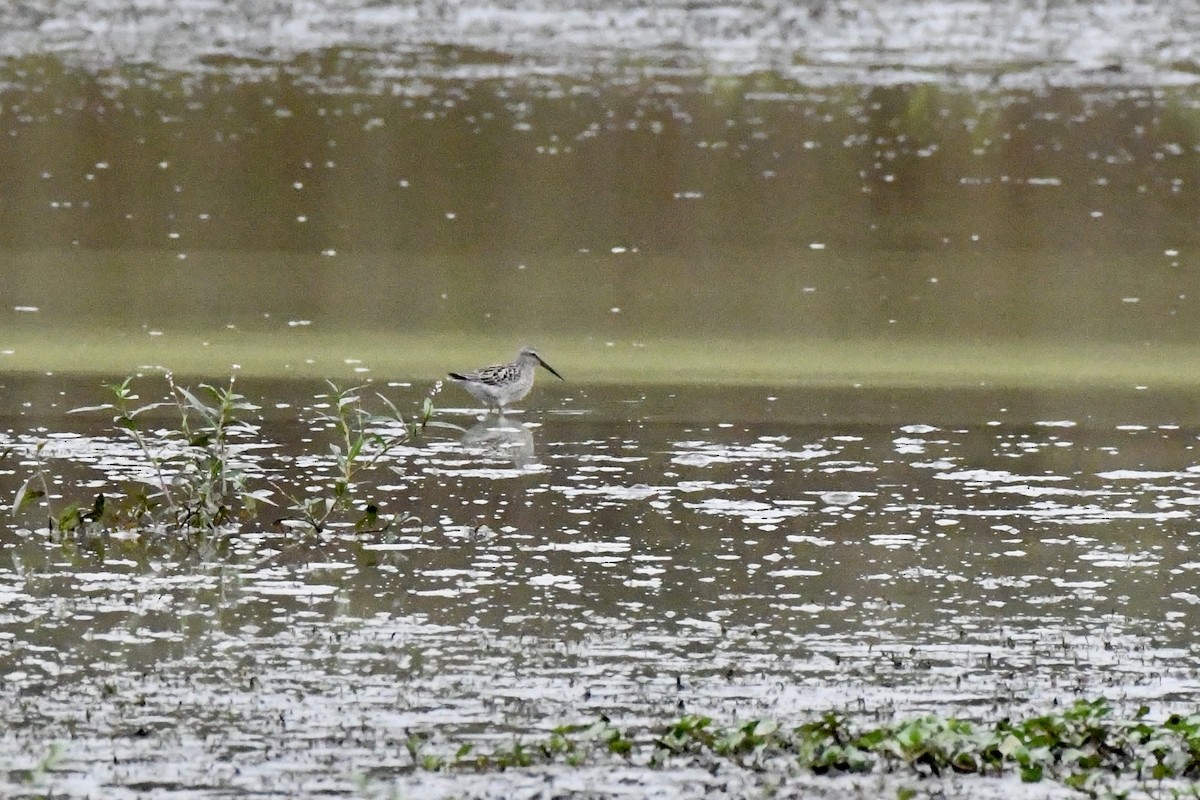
x=192 y=477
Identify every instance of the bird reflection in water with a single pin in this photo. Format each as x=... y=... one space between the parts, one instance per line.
x=498 y=436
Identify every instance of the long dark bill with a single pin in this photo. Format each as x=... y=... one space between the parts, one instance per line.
x=552 y=369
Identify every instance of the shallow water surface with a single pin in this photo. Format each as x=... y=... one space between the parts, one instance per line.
x=676 y=228
x=628 y=551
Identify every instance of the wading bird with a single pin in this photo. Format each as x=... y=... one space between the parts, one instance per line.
x=501 y=384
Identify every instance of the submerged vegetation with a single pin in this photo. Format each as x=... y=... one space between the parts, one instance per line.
x=191 y=469
x=1085 y=748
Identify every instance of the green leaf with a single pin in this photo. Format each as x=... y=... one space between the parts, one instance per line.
x=620 y=746
x=262 y=496
x=69 y=518
x=908 y=738
x=1010 y=745
x=1077 y=780
x=731 y=742
x=765 y=727
x=90 y=409
x=147 y=407
x=194 y=402
x=24 y=496
x=964 y=762
x=391 y=406
x=435 y=423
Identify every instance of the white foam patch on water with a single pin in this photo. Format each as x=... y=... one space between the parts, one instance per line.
x=490 y=473
x=587 y=458
x=447 y=592
x=1066 y=584
x=1046 y=491
x=290 y=588
x=703 y=624
x=818 y=541
x=142 y=637
x=398 y=546
x=893 y=540
x=558 y=581
x=843 y=498
x=704 y=486
x=835 y=467
x=705 y=454
x=752 y=512
x=1141 y=475
x=1118 y=559
x=995 y=476
x=794 y=573
x=909 y=446
x=615 y=492
x=586 y=547
x=326 y=566
x=1007 y=581
x=1072 y=514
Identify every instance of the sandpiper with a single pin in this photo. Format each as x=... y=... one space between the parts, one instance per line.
x=499 y=385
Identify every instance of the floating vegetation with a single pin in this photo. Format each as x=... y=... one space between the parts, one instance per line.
x=1085 y=747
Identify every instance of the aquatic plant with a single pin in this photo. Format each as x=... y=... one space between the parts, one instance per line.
x=36 y=486
x=46 y=765
x=1084 y=747
x=362 y=438
x=196 y=476
x=193 y=471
